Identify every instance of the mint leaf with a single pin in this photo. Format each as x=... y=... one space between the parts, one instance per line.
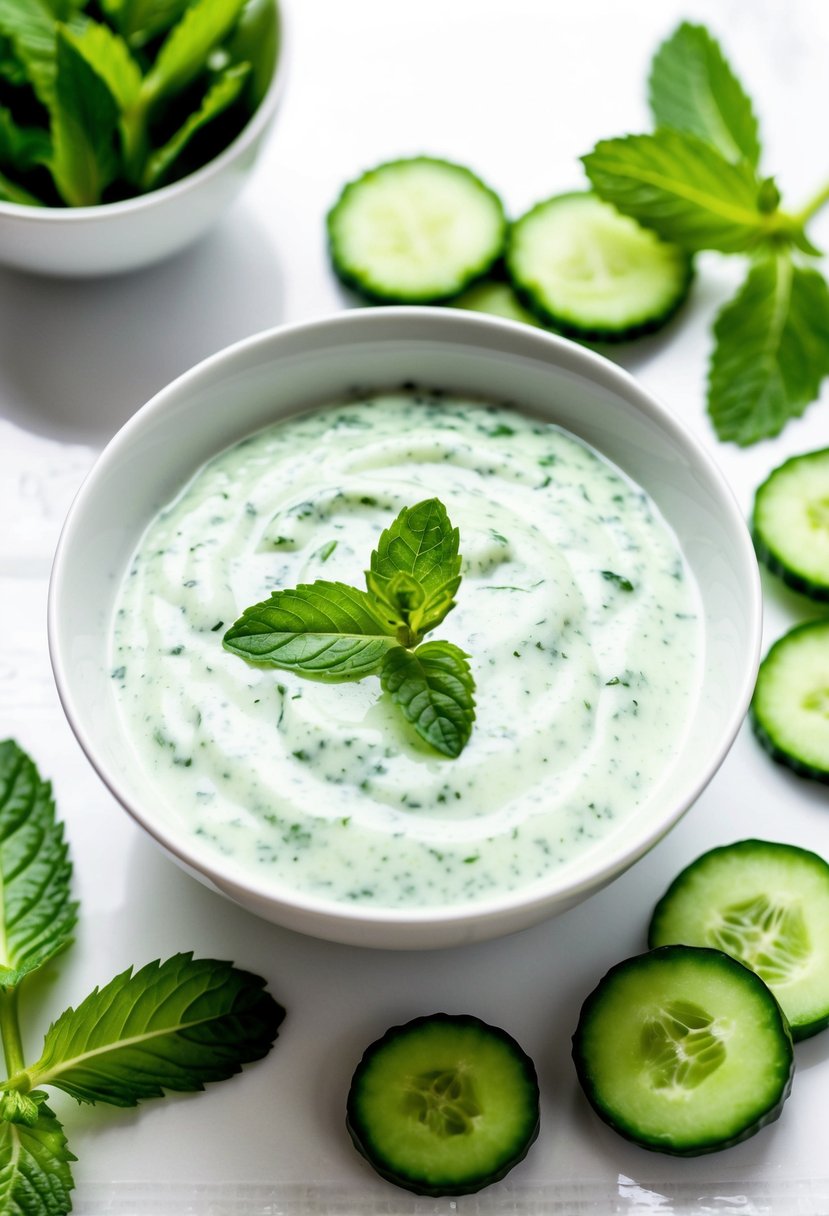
x=771 y=353
x=692 y=88
x=185 y=50
x=109 y=56
x=139 y=21
x=35 y=1178
x=684 y=189
x=219 y=96
x=29 y=25
x=322 y=629
x=170 y=1026
x=255 y=40
x=31 y=29
x=419 y=550
x=84 y=124
x=16 y=1107
x=38 y=916
x=434 y=688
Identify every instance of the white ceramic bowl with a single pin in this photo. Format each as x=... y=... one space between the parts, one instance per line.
x=82 y=242
x=269 y=376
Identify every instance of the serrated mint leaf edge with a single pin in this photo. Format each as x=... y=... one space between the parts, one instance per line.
x=440 y=582
x=55 y=933
x=765 y=421
x=736 y=139
x=54 y=1182
x=80 y=1025
x=357 y=629
x=674 y=205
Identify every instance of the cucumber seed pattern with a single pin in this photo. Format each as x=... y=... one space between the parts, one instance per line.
x=769 y=937
x=682 y=1046
x=444 y=1100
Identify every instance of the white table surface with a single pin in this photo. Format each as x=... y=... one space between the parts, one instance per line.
x=517 y=89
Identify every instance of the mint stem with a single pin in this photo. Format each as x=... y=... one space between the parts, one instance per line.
x=10 y=1032
x=814 y=205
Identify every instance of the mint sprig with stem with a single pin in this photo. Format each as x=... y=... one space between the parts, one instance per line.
x=331 y=631
x=695 y=180
x=173 y=1025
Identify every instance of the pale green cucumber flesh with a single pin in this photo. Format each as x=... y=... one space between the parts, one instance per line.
x=417 y=230
x=767 y=905
x=443 y=1105
x=790 y=523
x=790 y=707
x=684 y=1051
x=581 y=267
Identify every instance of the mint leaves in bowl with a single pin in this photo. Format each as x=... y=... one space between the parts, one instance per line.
x=127 y=126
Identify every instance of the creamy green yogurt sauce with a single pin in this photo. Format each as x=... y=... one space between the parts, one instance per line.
x=576 y=606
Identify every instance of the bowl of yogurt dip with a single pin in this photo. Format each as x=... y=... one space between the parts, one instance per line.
x=609 y=605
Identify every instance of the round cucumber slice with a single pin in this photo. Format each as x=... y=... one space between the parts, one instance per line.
x=581 y=267
x=415 y=231
x=444 y=1105
x=767 y=905
x=791 y=698
x=791 y=523
x=684 y=1051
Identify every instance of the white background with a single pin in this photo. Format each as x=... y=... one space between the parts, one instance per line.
x=518 y=89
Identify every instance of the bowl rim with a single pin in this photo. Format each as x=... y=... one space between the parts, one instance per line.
x=388 y=323
x=256 y=125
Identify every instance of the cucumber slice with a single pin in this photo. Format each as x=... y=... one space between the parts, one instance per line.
x=580 y=266
x=497 y=299
x=767 y=905
x=791 y=523
x=791 y=698
x=684 y=1051
x=444 y=1105
x=415 y=231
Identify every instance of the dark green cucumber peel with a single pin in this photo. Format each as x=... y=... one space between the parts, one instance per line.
x=366 y=279
x=673 y=1054
x=810 y=697
x=428 y=1112
x=767 y=905
x=565 y=319
x=793 y=556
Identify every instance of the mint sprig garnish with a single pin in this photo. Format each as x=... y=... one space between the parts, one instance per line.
x=696 y=181
x=332 y=631
x=173 y=1025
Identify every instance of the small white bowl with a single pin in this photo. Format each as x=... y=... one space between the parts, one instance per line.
x=83 y=242
x=274 y=374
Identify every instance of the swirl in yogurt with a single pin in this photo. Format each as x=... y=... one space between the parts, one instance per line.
x=576 y=606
